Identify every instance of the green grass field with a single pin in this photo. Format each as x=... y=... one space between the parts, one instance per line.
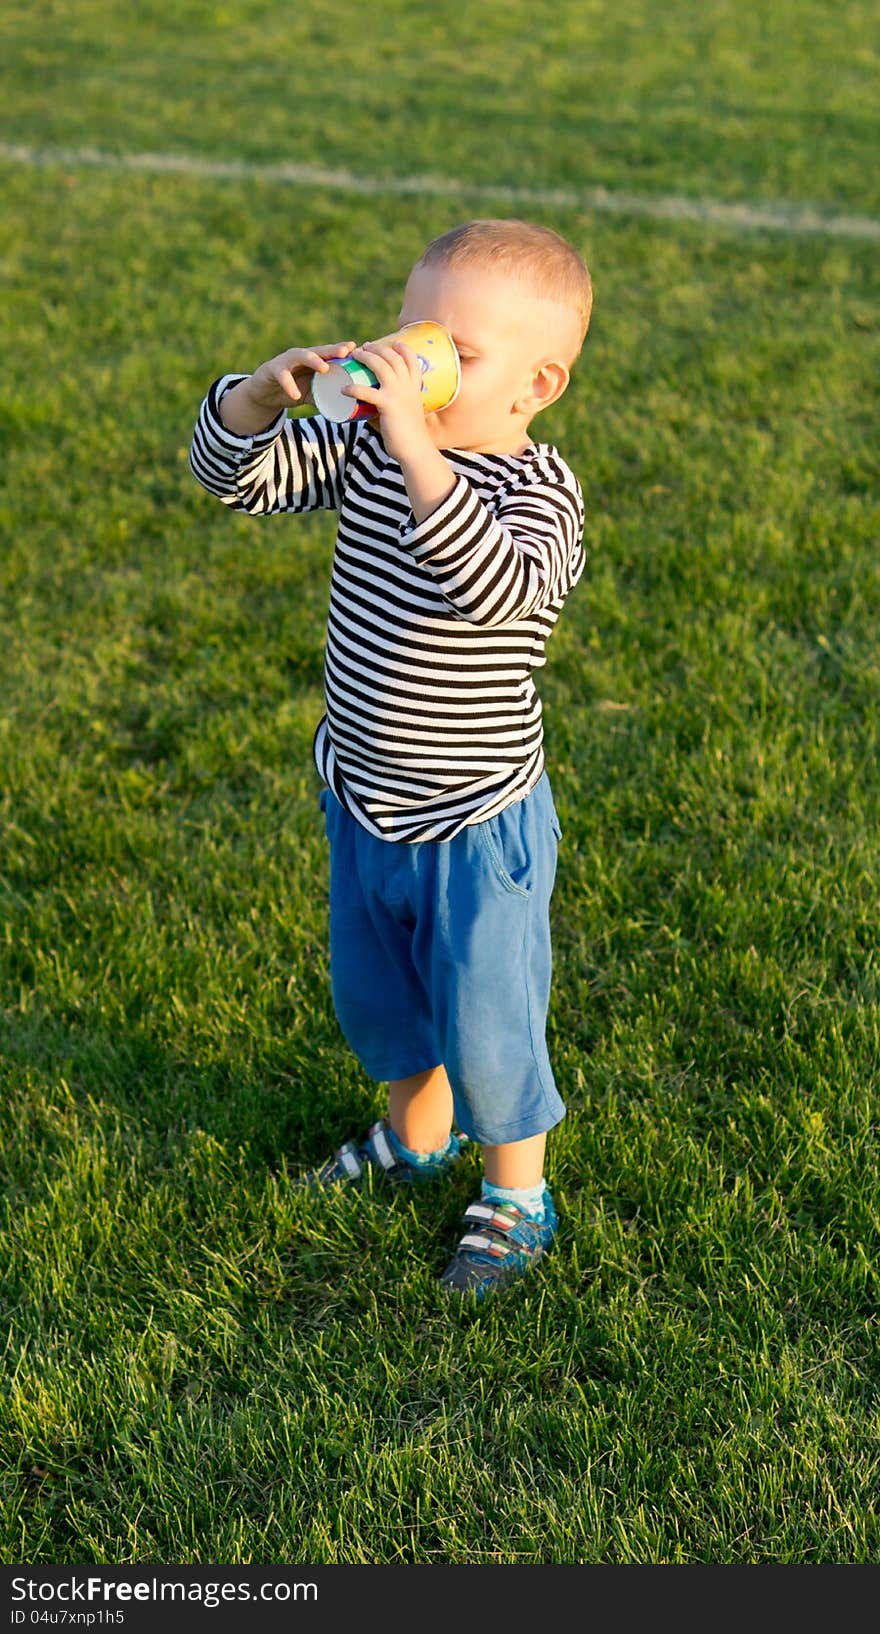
x=200 y=1364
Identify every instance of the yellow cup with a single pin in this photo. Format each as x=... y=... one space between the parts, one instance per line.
x=438 y=361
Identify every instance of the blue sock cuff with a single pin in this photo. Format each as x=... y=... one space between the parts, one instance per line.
x=420 y=1160
x=528 y=1198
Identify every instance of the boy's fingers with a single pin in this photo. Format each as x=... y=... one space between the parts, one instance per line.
x=386 y=363
x=363 y=394
x=313 y=357
x=315 y=361
x=381 y=367
x=288 y=384
x=340 y=348
x=410 y=358
x=395 y=356
x=372 y=349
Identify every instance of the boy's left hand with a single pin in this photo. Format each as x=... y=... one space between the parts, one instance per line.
x=397 y=398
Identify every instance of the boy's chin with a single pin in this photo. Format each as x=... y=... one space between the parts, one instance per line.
x=441 y=434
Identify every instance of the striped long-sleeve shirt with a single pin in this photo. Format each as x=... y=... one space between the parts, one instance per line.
x=435 y=629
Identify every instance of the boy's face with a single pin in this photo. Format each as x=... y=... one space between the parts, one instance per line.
x=506 y=336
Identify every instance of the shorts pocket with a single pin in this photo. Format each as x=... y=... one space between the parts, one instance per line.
x=504 y=842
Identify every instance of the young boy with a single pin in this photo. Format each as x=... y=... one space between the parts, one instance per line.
x=459 y=538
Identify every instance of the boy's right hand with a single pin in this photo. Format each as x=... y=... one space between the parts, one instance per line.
x=280 y=383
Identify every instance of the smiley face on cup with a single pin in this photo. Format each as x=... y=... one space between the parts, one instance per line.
x=438 y=361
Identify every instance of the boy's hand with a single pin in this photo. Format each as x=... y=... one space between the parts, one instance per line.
x=397 y=398
x=288 y=377
x=428 y=477
x=279 y=383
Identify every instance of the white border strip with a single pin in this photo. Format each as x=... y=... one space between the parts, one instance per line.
x=793 y=219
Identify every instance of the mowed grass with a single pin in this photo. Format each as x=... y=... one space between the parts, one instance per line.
x=201 y=1363
x=743 y=102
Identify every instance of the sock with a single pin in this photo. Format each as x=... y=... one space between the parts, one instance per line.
x=529 y=1198
x=419 y=1159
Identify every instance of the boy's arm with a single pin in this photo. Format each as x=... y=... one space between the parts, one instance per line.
x=494 y=567
x=252 y=457
x=491 y=566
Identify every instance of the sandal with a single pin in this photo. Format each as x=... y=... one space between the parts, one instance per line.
x=506 y=1242
x=376 y=1153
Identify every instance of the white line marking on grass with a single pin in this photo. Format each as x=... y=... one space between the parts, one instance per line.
x=799 y=220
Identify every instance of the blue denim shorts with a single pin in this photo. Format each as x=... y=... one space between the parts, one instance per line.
x=440 y=953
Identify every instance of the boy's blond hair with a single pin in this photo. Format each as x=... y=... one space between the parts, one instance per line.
x=538 y=256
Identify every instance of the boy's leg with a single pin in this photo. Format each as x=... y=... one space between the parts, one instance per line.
x=414 y=1142
x=420 y=1110
x=490 y=991
x=379 y=999
x=519 y=1164
x=512 y=1224
x=384 y=1012
x=487 y=969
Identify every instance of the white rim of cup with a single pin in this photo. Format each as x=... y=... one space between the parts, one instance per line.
x=327 y=388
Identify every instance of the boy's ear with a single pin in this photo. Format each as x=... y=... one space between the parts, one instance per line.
x=547 y=385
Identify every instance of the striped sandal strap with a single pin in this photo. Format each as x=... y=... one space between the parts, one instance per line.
x=492 y=1231
x=345 y=1164
x=377 y=1148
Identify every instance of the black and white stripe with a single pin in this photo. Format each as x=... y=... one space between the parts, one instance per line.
x=434 y=630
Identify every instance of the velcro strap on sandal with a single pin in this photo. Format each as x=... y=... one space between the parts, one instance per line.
x=379 y=1144
x=486 y=1245
x=348 y=1159
x=489 y=1216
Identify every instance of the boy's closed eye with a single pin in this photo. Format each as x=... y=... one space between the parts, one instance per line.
x=465 y=349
